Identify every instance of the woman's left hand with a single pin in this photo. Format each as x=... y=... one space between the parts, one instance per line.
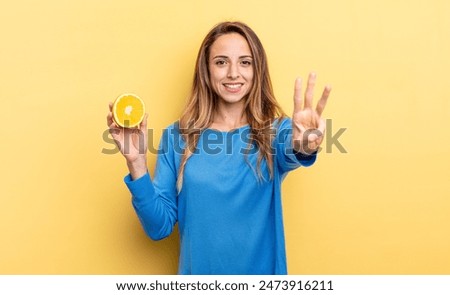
x=308 y=127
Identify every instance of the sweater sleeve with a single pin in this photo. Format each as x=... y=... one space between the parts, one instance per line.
x=155 y=201
x=287 y=158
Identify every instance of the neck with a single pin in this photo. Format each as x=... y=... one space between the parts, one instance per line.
x=229 y=116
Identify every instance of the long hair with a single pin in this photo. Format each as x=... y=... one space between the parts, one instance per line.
x=261 y=106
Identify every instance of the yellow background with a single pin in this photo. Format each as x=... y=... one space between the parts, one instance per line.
x=381 y=208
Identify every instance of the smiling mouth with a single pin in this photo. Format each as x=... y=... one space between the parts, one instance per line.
x=233 y=86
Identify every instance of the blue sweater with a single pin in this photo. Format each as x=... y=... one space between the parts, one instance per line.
x=230 y=220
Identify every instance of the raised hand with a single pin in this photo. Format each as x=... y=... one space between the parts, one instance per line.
x=308 y=127
x=132 y=143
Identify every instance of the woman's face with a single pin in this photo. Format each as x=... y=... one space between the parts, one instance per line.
x=231 y=68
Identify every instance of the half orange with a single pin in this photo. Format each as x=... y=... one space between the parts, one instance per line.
x=128 y=110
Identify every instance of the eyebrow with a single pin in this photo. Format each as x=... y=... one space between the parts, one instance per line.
x=224 y=56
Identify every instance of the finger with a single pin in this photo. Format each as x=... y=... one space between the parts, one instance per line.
x=298 y=95
x=323 y=100
x=144 y=124
x=115 y=133
x=113 y=127
x=321 y=127
x=109 y=119
x=310 y=90
x=321 y=131
x=313 y=136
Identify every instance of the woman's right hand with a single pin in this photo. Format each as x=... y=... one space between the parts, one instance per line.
x=132 y=143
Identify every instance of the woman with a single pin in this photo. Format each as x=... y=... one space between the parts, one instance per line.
x=220 y=167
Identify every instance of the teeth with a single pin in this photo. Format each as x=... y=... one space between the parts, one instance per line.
x=233 y=86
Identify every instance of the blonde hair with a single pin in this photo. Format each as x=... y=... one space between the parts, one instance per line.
x=261 y=106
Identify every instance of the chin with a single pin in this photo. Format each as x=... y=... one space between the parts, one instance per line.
x=232 y=100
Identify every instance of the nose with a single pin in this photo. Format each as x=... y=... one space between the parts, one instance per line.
x=233 y=71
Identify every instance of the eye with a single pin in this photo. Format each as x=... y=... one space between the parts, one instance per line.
x=220 y=62
x=246 y=62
